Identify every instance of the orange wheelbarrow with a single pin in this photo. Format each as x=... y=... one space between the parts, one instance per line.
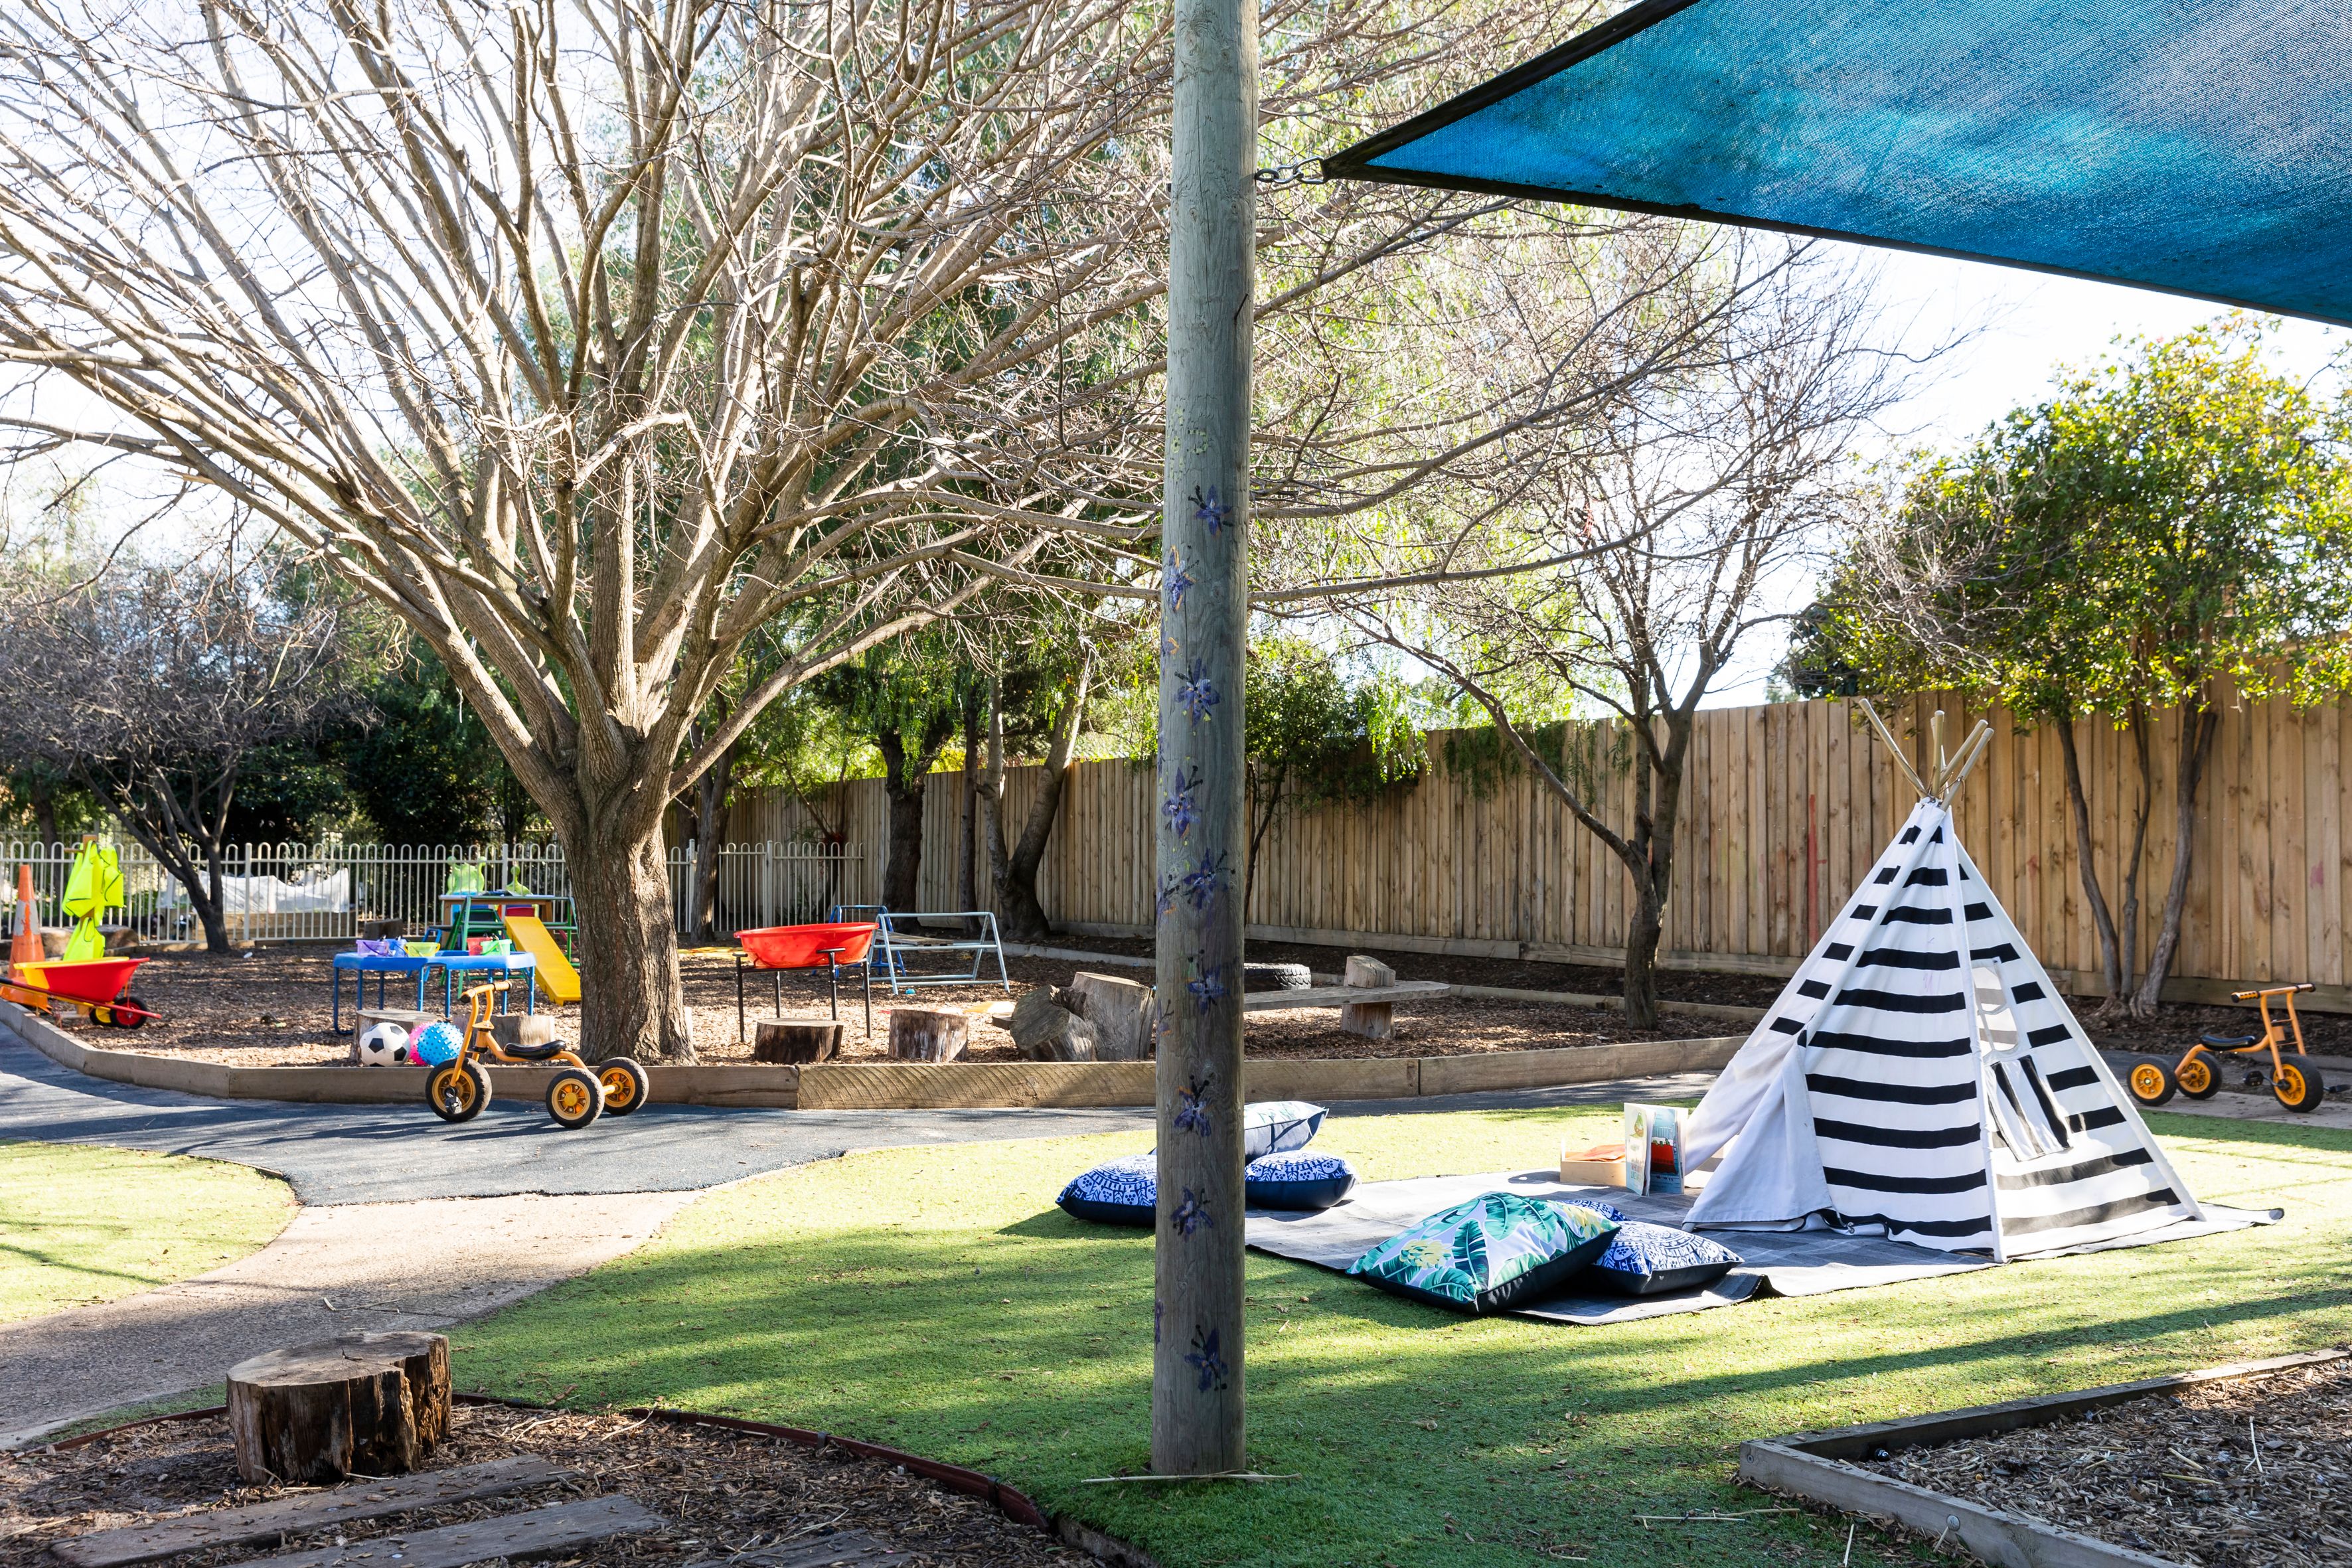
x=99 y=986
x=2197 y=1073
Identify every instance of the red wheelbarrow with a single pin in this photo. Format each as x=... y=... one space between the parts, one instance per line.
x=99 y=986
x=833 y=945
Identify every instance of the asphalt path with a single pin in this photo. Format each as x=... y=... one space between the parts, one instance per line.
x=390 y=1154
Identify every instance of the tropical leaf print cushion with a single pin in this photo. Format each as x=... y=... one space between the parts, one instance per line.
x=1488 y=1255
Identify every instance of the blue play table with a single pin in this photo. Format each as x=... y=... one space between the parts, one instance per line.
x=360 y=966
x=501 y=965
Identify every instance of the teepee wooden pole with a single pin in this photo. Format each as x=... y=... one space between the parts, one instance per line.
x=1893 y=749
x=1972 y=750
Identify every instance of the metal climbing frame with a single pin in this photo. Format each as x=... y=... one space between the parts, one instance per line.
x=900 y=937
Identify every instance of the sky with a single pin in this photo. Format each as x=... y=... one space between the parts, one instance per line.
x=2016 y=330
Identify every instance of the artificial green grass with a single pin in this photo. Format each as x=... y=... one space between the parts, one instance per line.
x=932 y=1299
x=80 y=1223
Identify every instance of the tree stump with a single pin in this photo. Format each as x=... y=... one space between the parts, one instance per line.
x=372 y=1404
x=1373 y=1020
x=928 y=1035
x=1120 y=1010
x=1044 y=1031
x=793 y=1040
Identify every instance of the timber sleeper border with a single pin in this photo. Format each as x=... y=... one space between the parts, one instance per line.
x=909 y=1086
x=1010 y=1501
x=1810 y=1466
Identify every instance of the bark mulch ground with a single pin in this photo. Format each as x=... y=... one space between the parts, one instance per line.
x=2252 y=1474
x=722 y=1493
x=270 y=1009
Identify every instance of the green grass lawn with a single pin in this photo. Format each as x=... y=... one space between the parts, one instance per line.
x=932 y=1299
x=80 y=1223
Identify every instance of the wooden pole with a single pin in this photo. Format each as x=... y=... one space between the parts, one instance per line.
x=1196 y=1375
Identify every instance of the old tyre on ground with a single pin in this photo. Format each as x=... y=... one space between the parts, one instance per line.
x=627 y=1085
x=1276 y=977
x=458 y=1092
x=2298 y=1087
x=2198 y=1079
x=2152 y=1083
x=574 y=1097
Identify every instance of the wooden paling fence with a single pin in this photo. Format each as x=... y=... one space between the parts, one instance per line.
x=1786 y=807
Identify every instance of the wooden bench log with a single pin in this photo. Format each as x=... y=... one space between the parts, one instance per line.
x=1373 y=1020
x=1341 y=995
x=929 y=1034
x=374 y=1403
x=794 y=1040
x=556 y=1530
x=1043 y=1030
x=304 y=1512
x=525 y=1030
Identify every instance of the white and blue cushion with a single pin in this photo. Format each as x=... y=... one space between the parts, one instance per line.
x=1272 y=1126
x=1654 y=1260
x=1116 y=1191
x=1296 y=1179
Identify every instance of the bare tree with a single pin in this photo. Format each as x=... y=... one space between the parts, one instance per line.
x=153 y=686
x=1701 y=488
x=591 y=338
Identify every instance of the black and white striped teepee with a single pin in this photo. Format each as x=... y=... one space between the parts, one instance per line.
x=1921 y=1072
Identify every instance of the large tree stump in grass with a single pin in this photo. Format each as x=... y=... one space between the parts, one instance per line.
x=928 y=1035
x=369 y=1405
x=793 y=1040
x=1373 y=1020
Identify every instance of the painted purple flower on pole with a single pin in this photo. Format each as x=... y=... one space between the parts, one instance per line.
x=1191 y=1214
x=1208 y=989
x=1196 y=693
x=1207 y=1358
x=1180 y=807
x=1192 y=1115
x=1208 y=510
x=1175 y=580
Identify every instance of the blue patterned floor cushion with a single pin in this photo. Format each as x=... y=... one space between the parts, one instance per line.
x=1118 y=1192
x=1296 y=1179
x=1488 y=1255
x=1653 y=1259
x=1274 y=1125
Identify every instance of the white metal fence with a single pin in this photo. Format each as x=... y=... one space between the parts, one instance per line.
x=299 y=892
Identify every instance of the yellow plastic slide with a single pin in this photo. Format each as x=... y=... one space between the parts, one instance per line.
x=556 y=975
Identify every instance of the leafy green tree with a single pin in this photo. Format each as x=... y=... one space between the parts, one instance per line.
x=903 y=696
x=425 y=771
x=2178 y=518
x=1318 y=737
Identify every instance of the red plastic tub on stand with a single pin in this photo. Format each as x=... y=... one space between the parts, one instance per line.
x=827 y=946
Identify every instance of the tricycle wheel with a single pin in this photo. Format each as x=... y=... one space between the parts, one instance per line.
x=134 y=1019
x=574 y=1097
x=627 y=1085
x=457 y=1091
x=2152 y=1083
x=2298 y=1087
x=2196 y=1078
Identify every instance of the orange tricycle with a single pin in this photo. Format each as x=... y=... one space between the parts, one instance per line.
x=577 y=1094
x=2198 y=1073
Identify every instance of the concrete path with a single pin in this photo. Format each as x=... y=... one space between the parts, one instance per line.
x=345 y=1269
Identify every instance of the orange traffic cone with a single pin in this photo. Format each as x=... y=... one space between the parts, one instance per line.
x=26 y=947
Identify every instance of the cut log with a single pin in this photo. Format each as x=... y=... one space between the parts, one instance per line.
x=928 y=1035
x=522 y=1031
x=304 y=1512
x=370 y=1404
x=1373 y=1020
x=1120 y=1010
x=1044 y=1031
x=558 y=1529
x=794 y=1040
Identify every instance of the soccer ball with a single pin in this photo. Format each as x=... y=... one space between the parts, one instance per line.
x=434 y=1044
x=385 y=1046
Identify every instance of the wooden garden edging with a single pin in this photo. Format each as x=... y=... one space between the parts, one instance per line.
x=1808 y=1464
x=907 y=1086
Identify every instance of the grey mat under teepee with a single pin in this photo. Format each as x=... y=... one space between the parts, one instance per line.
x=1778 y=1262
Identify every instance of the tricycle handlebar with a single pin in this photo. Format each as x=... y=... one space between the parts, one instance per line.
x=2272 y=991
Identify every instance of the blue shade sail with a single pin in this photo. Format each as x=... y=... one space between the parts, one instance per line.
x=2197 y=148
